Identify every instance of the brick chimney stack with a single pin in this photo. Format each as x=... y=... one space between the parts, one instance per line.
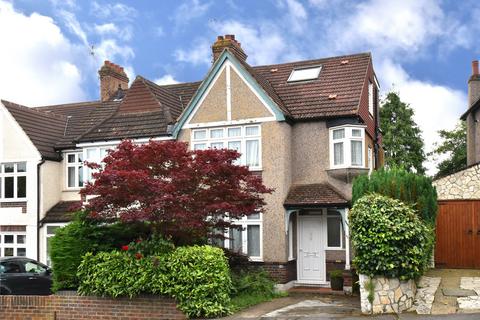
x=473 y=132
x=228 y=42
x=112 y=78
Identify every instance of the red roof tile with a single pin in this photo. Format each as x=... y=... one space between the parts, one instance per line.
x=321 y=194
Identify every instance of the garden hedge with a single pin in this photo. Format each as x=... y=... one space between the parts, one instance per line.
x=389 y=238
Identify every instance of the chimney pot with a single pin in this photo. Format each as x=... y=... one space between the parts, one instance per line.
x=229 y=37
x=228 y=42
x=475 y=69
x=112 y=78
x=220 y=38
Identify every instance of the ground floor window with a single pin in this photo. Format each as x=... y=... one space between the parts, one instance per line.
x=335 y=232
x=13 y=244
x=50 y=232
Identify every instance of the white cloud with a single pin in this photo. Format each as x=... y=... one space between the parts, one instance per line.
x=296 y=15
x=38 y=63
x=106 y=28
x=114 y=11
x=198 y=54
x=436 y=107
x=111 y=29
x=189 y=11
x=73 y=25
x=166 y=79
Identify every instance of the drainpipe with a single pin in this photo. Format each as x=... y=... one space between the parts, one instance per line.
x=38 y=207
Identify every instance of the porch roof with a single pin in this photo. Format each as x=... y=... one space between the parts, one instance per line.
x=312 y=195
x=61 y=212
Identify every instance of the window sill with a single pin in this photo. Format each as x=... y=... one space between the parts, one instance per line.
x=255 y=259
x=347 y=174
x=335 y=248
x=14 y=200
x=71 y=189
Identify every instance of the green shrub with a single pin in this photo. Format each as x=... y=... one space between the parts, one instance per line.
x=389 y=239
x=198 y=277
x=84 y=235
x=153 y=246
x=200 y=280
x=400 y=184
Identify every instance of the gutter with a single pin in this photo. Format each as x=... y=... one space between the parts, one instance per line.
x=38 y=207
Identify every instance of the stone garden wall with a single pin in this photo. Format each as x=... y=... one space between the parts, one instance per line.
x=390 y=295
x=464 y=184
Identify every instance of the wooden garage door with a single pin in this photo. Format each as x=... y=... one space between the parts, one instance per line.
x=458 y=234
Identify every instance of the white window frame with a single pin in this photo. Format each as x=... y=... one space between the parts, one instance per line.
x=243 y=138
x=290 y=239
x=97 y=158
x=48 y=235
x=15 y=175
x=13 y=245
x=370 y=158
x=291 y=77
x=76 y=166
x=347 y=152
x=370 y=97
x=342 y=231
x=244 y=223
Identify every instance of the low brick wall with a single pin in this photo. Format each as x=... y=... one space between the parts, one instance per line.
x=390 y=295
x=60 y=307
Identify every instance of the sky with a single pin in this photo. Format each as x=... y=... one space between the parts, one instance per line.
x=51 y=50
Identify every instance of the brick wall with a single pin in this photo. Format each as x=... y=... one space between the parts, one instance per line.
x=66 y=307
x=280 y=272
x=21 y=204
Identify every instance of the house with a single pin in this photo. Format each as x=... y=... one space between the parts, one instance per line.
x=458 y=221
x=307 y=127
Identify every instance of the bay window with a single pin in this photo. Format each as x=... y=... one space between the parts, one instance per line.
x=347 y=147
x=244 y=139
x=246 y=236
x=13 y=180
x=94 y=155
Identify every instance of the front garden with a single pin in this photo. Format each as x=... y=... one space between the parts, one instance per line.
x=153 y=210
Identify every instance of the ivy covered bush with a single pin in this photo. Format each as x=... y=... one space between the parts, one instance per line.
x=397 y=183
x=198 y=277
x=389 y=238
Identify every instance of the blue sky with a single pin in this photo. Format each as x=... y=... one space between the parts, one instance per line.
x=423 y=48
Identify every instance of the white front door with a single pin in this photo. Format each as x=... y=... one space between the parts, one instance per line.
x=311 y=249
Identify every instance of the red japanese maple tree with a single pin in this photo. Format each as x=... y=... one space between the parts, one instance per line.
x=182 y=194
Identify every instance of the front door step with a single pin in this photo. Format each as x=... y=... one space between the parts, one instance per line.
x=454 y=292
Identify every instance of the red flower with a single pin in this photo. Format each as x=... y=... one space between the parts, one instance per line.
x=125 y=248
x=138 y=240
x=138 y=255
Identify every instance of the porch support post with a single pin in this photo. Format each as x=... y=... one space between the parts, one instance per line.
x=347 y=237
x=288 y=213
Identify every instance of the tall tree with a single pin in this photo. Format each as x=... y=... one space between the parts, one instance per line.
x=402 y=139
x=454 y=147
x=182 y=194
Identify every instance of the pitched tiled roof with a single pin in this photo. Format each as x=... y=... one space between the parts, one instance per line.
x=321 y=194
x=342 y=76
x=147 y=109
x=43 y=129
x=61 y=212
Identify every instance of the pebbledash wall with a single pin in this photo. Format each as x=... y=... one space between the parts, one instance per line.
x=66 y=307
x=464 y=184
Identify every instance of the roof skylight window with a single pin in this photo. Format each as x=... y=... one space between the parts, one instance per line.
x=304 y=74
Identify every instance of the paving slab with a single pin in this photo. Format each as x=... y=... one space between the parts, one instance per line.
x=469 y=304
x=454 y=292
x=426 y=289
x=471 y=283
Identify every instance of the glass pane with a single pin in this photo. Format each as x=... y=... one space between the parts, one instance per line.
x=356 y=133
x=49 y=262
x=333 y=231
x=71 y=177
x=71 y=158
x=216 y=145
x=253 y=240
x=21 y=187
x=252 y=131
x=356 y=153
x=234 y=132
x=8 y=252
x=32 y=267
x=254 y=216
x=8 y=238
x=234 y=145
x=304 y=74
x=92 y=154
x=199 y=146
x=199 y=134
x=21 y=238
x=9 y=167
x=80 y=176
x=9 y=187
x=252 y=153
x=236 y=239
x=21 y=252
x=80 y=158
x=22 y=167
x=216 y=133
x=338 y=153
x=51 y=229
x=338 y=134
x=103 y=153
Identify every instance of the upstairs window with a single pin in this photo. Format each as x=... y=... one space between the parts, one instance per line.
x=244 y=139
x=347 y=147
x=370 y=97
x=304 y=74
x=74 y=172
x=93 y=155
x=13 y=180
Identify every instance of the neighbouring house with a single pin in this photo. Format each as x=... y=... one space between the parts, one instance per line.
x=458 y=221
x=307 y=127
